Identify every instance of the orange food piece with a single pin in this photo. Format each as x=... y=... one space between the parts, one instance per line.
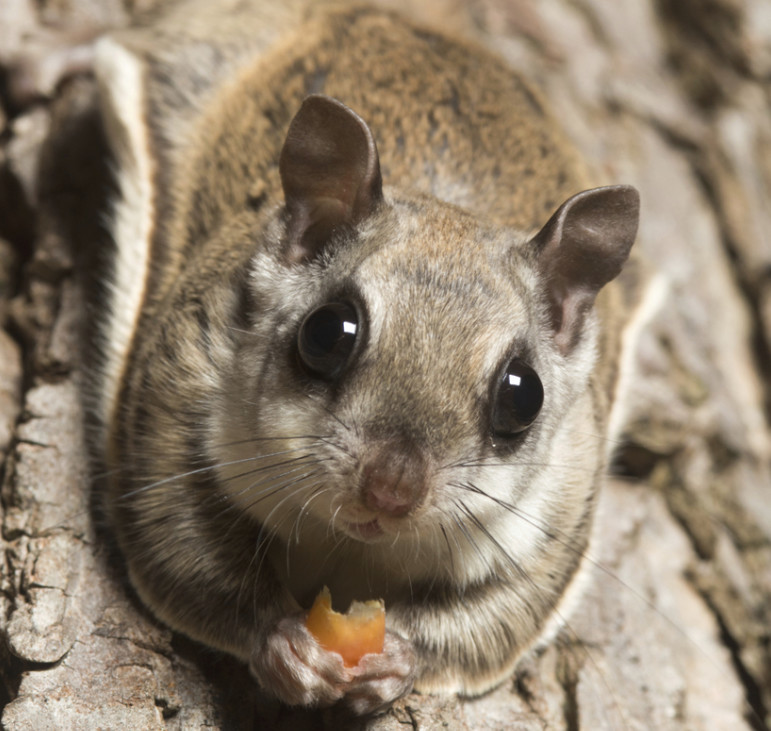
x=359 y=632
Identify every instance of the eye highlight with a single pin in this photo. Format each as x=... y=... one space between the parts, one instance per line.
x=326 y=339
x=518 y=399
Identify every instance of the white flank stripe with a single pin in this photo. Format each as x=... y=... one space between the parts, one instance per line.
x=119 y=74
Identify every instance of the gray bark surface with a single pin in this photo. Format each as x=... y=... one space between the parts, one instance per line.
x=675 y=629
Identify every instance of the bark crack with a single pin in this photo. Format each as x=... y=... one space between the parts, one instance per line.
x=756 y=712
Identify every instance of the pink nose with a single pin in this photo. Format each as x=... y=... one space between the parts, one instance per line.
x=393 y=480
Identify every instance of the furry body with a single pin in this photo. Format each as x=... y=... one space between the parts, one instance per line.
x=242 y=485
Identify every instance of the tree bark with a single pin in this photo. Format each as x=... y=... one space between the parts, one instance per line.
x=675 y=629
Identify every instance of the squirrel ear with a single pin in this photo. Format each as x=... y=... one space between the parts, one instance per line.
x=330 y=174
x=583 y=247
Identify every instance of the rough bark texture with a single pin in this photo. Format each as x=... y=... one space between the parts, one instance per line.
x=675 y=630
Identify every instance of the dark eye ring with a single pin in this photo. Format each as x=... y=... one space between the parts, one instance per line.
x=326 y=339
x=518 y=399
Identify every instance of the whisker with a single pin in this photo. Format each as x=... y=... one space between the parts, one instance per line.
x=329 y=411
x=331 y=525
x=435 y=573
x=449 y=548
x=491 y=462
x=229 y=498
x=464 y=530
x=201 y=470
x=551 y=602
x=599 y=437
x=339 y=447
x=485 y=532
x=264 y=538
x=260 y=551
x=408 y=574
x=98 y=476
x=304 y=508
x=298 y=462
x=287 y=486
x=255 y=440
x=280 y=488
x=181 y=476
x=564 y=540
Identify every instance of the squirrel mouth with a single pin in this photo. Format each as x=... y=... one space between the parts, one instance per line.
x=369 y=531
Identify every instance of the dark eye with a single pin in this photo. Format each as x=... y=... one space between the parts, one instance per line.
x=326 y=339
x=518 y=399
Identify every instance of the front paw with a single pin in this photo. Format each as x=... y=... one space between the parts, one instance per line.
x=291 y=665
x=379 y=680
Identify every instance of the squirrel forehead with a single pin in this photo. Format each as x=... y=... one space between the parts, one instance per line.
x=448 y=262
x=444 y=307
x=435 y=245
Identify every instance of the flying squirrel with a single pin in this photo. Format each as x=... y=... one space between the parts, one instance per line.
x=365 y=328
